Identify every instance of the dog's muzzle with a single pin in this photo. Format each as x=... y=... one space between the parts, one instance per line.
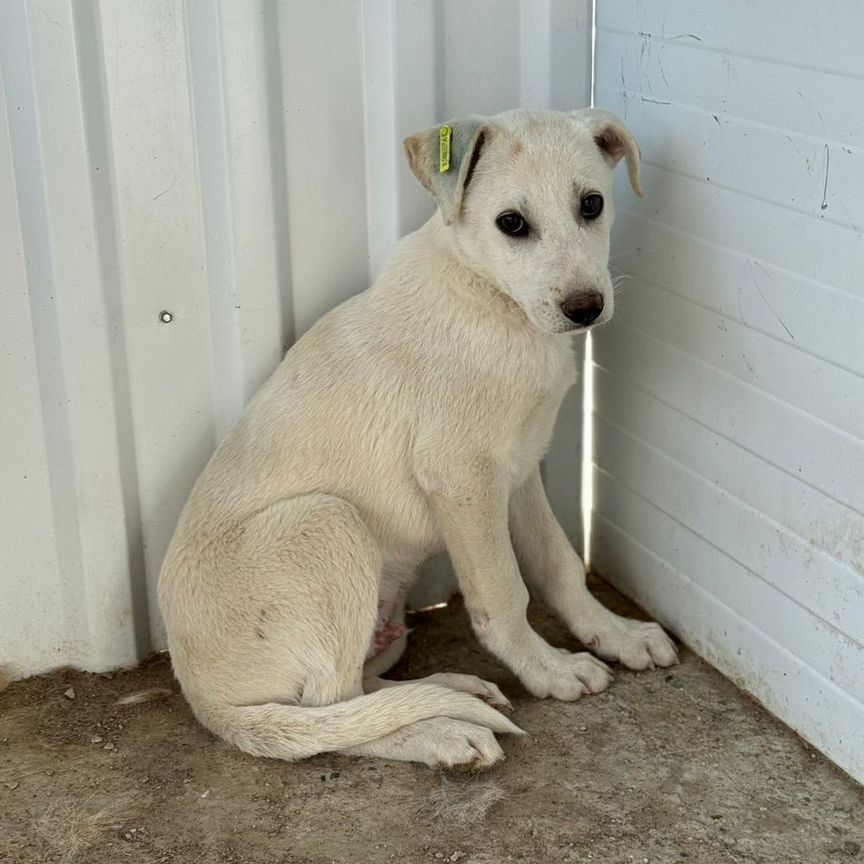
x=583 y=309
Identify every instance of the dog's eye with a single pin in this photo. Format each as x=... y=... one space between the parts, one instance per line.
x=512 y=224
x=592 y=205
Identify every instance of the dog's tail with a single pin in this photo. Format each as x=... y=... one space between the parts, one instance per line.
x=295 y=732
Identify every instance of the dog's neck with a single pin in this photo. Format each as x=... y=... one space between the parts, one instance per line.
x=475 y=309
x=467 y=285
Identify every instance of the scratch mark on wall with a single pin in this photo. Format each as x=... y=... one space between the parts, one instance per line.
x=824 y=204
x=643 y=73
x=48 y=18
x=686 y=36
x=662 y=72
x=624 y=97
x=167 y=189
x=654 y=101
x=765 y=299
x=822 y=123
x=738 y=304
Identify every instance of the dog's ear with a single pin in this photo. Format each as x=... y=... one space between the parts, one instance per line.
x=615 y=141
x=443 y=161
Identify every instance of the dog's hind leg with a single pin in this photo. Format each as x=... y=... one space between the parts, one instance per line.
x=269 y=625
x=439 y=742
x=280 y=609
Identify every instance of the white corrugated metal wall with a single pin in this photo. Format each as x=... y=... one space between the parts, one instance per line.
x=239 y=166
x=730 y=388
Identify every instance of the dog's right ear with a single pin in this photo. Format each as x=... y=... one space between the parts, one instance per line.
x=443 y=161
x=614 y=140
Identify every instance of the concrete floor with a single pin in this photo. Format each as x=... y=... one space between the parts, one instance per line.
x=666 y=766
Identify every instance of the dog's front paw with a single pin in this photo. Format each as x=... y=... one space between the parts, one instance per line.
x=567 y=676
x=635 y=644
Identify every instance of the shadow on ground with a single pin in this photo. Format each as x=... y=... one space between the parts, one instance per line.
x=665 y=766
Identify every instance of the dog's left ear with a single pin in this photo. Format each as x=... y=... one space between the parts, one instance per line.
x=614 y=139
x=447 y=174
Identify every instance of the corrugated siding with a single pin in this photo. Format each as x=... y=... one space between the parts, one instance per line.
x=730 y=389
x=238 y=165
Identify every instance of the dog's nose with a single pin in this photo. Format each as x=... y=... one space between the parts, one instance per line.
x=583 y=308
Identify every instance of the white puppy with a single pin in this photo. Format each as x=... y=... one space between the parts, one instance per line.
x=409 y=420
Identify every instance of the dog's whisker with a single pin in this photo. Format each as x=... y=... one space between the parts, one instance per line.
x=619 y=282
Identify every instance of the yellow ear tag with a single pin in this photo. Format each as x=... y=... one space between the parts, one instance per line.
x=444 y=136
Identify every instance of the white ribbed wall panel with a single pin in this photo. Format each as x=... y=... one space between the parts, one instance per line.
x=238 y=164
x=729 y=422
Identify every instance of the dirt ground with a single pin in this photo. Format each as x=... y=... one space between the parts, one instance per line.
x=666 y=766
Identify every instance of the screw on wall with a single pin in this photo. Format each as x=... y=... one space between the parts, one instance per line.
x=166 y=317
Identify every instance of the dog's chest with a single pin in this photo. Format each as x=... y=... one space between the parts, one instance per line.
x=529 y=439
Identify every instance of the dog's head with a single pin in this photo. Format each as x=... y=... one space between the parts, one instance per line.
x=527 y=199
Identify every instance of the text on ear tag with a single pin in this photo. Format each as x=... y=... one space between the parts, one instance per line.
x=444 y=136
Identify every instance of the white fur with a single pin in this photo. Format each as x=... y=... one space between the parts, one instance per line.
x=409 y=420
